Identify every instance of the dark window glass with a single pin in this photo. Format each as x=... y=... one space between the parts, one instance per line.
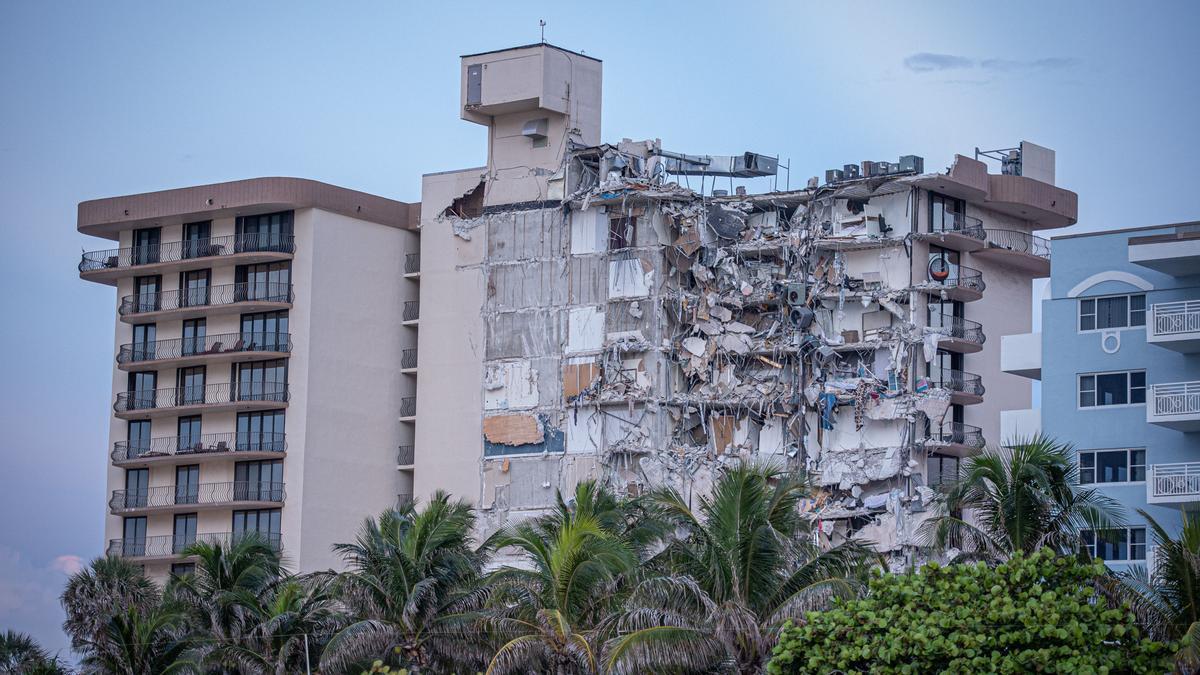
x=261 y=431
x=1137 y=465
x=196 y=240
x=189 y=433
x=185 y=532
x=191 y=385
x=1112 y=312
x=194 y=285
x=1137 y=310
x=1087 y=314
x=1112 y=544
x=138 y=438
x=1087 y=468
x=143 y=342
x=265 y=522
x=141 y=390
x=147 y=294
x=1137 y=387
x=137 y=487
x=193 y=336
x=945 y=213
x=262 y=380
x=134 y=536
x=1137 y=543
x=1112 y=389
x=270 y=282
x=265 y=330
x=942 y=469
x=187 y=484
x=258 y=481
x=1112 y=467
x=265 y=232
x=182 y=569
x=147 y=245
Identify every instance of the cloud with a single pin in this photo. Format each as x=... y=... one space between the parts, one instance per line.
x=1048 y=63
x=925 y=62
x=67 y=564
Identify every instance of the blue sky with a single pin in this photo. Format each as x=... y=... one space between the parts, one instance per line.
x=103 y=99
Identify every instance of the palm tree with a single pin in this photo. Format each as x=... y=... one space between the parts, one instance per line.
x=1022 y=498
x=552 y=616
x=137 y=642
x=742 y=566
x=222 y=597
x=411 y=588
x=97 y=593
x=22 y=655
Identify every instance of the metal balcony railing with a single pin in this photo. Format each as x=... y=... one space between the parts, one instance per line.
x=404 y=499
x=957 y=433
x=1174 y=318
x=408 y=358
x=199 y=494
x=175 y=397
x=1019 y=242
x=224 y=294
x=959 y=381
x=1175 y=480
x=412 y=310
x=174 y=545
x=175 y=251
x=408 y=406
x=1176 y=398
x=957 y=223
x=125 y=451
x=964 y=277
x=959 y=328
x=412 y=263
x=224 y=343
x=406 y=455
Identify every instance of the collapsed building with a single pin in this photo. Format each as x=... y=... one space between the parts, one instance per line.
x=606 y=311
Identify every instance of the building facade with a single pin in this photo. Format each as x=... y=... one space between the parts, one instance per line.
x=1119 y=362
x=612 y=312
x=258 y=364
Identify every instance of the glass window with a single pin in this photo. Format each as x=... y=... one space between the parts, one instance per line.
x=941 y=469
x=1112 y=466
x=187 y=484
x=193 y=336
x=262 y=380
x=1137 y=387
x=1118 y=311
x=265 y=330
x=143 y=342
x=1103 y=389
x=137 y=487
x=189 y=434
x=147 y=245
x=943 y=265
x=263 y=521
x=196 y=238
x=265 y=232
x=191 y=386
x=195 y=288
x=261 y=431
x=945 y=213
x=133 y=536
x=141 y=390
x=270 y=282
x=182 y=569
x=258 y=481
x=1087 y=468
x=185 y=532
x=138 y=438
x=1117 y=544
x=147 y=294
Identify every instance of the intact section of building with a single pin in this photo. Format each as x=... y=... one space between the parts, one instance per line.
x=260 y=346
x=601 y=311
x=1119 y=361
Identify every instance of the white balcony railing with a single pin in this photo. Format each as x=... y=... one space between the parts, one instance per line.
x=1176 y=318
x=1175 y=481
x=1176 y=398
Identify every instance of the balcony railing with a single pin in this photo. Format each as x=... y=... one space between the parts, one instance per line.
x=173 y=545
x=199 y=494
x=963 y=277
x=408 y=406
x=957 y=433
x=959 y=328
x=405 y=456
x=404 y=499
x=224 y=343
x=958 y=381
x=1175 y=318
x=412 y=310
x=957 y=223
x=1176 y=398
x=186 y=250
x=1019 y=242
x=1175 y=480
x=224 y=294
x=408 y=358
x=175 y=397
x=126 y=451
x=412 y=263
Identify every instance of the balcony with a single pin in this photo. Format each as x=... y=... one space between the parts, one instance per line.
x=965 y=388
x=408 y=361
x=172 y=546
x=1175 y=326
x=196 y=497
x=239 y=445
x=195 y=302
x=1021 y=354
x=177 y=256
x=225 y=347
x=1019 y=250
x=412 y=265
x=964 y=284
x=412 y=312
x=408 y=409
x=1173 y=483
x=960 y=335
x=405 y=456
x=956 y=231
x=1174 y=405
x=206 y=398
x=1176 y=253
x=955 y=438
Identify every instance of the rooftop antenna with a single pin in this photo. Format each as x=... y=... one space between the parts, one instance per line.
x=542 y=25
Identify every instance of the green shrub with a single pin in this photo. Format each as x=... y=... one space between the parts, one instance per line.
x=1035 y=613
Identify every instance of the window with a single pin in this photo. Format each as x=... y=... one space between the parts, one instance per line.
x=1118 y=311
x=147 y=296
x=944 y=369
x=191 y=386
x=143 y=342
x=622 y=232
x=187 y=484
x=188 y=434
x=1116 y=545
x=182 y=569
x=943 y=266
x=147 y=245
x=258 y=481
x=945 y=213
x=1100 y=389
x=265 y=330
x=270 y=282
x=141 y=389
x=185 y=532
x=133 y=532
x=193 y=336
x=262 y=380
x=260 y=431
x=1112 y=466
x=196 y=240
x=194 y=285
x=263 y=521
x=943 y=313
x=265 y=232
x=941 y=469
x=138 y=438
x=137 y=487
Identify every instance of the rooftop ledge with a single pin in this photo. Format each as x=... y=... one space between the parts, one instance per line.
x=107 y=217
x=1044 y=205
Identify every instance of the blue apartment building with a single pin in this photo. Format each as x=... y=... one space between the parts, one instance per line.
x=1119 y=364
